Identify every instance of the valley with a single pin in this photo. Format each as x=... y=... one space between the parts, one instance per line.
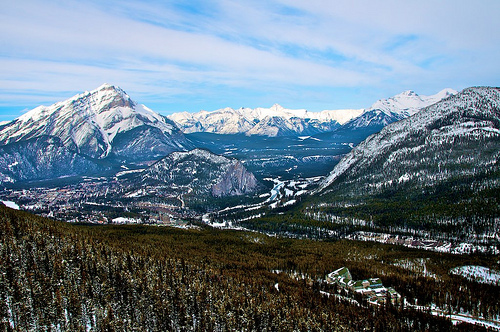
x=287 y=157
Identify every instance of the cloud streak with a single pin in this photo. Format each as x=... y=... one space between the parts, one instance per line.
x=226 y=53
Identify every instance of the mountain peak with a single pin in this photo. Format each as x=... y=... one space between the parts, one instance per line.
x=409 y=102
x=88 y=123
x=409 y=93
x=277 y=107
x=105 y=86
x=447 y=92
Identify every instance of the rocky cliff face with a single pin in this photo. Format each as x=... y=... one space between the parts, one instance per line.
x=236 y=181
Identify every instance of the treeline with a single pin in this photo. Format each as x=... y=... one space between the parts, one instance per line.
x=57 y=276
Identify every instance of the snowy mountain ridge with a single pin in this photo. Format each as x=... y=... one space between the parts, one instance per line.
x=469 y=117
x=386 y=111
x=273 y=121
x=90 y=123
x=279 y=121
x=408 y=102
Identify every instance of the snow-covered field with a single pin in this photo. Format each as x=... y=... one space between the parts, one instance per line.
x=424 y=243
x=11 y=204
x=478 y=273
x=123 y=220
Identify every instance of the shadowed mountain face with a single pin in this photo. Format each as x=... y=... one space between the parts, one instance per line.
x=42 y=158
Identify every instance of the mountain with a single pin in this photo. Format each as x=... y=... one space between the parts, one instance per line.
x=278 y=121
x=446 y=154
x=408 y=102
x=42 y=158
x=103 y=123
x=468 y=118
x=202 y=173
x=271 y=122
x=386 y=111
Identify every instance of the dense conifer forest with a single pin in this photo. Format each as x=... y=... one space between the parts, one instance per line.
x=56 y=276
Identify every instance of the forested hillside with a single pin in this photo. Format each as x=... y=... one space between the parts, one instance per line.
x=435 y=172
x=58 y=276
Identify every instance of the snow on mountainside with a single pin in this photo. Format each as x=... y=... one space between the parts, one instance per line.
x=408 y=102
x=455 y=137
x=386 y=111
x=274 y=121
x=42 y=158
x=91 y=123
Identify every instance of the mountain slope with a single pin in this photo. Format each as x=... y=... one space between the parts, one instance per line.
x=203 y=172
x=42 y=158
x=386 y=111
x=468 y=119
x=92 y=122
x=445 y=157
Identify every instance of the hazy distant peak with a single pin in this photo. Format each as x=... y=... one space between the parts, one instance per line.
x=409 y=102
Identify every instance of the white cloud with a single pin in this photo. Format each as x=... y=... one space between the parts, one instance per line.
x=276 y=47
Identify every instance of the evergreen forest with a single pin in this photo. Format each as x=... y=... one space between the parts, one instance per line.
x=56 y=276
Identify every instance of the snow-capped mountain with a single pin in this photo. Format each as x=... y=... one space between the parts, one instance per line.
x=272 y=122
x=386 y=111
x=457 y=137
x=278 y=121
x=408 y=102
x=99 y=124
x=202 y=173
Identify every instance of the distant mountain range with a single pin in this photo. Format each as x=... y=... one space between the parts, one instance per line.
x=272 y=122
x=278 y=121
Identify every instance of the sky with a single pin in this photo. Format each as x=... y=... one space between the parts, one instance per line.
x=176 y=56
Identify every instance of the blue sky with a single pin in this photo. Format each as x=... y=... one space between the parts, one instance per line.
x=190 y=55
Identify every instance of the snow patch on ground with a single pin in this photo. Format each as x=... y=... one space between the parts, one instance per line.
x=122 y=173
x=122 y=220
x=480 y=274
x=11 y=205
